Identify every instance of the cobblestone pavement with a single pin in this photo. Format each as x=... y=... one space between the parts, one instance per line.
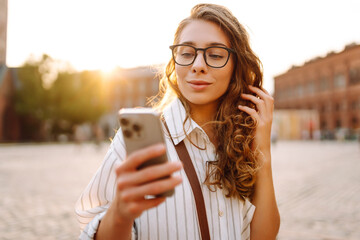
x=318 y=190
x=317 y=186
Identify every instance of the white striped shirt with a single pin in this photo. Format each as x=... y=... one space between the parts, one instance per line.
x=176 y=218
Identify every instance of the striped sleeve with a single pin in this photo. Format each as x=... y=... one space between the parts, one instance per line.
x=247 y=215
x=99 y=193
x=90 y=229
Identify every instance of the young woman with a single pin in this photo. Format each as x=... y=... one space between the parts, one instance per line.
x=211 y=100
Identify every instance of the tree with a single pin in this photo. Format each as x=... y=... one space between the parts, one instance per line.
x=57 y=96
x=31 y=99
x=77 y=98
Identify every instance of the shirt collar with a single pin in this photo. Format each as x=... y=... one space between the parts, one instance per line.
x=174 y=115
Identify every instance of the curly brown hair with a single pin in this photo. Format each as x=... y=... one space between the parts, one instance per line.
x=235 y=166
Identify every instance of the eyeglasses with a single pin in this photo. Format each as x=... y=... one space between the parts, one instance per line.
x=215 y=57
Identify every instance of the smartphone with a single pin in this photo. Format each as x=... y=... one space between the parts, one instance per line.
x=141 y=127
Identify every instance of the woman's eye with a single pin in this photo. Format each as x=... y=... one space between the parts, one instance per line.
x=216 y=57
x=187 y=55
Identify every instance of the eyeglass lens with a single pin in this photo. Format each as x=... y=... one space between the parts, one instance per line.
x=214 y=56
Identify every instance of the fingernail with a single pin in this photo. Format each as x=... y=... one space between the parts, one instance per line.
x=160 y=147
x=178 y=164
x=178 y=177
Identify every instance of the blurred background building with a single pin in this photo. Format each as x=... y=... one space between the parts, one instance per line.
x=318 y=100
x=78 y=106
x=3 y=30
x=9 y=124
x=128 y=88
x=75 y=106
x=327 y=87
x=9 y=120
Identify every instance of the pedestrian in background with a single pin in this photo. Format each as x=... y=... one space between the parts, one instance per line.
x=213 y=102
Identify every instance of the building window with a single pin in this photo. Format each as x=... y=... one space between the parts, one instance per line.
x=354 y=121
x=310 y=88
x=355 y=105
x=354 y=76
x=338 y=123
x=339 y=81
x=324 y=84
x=300 y=90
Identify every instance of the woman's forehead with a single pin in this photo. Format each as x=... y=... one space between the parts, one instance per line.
x=203 y=33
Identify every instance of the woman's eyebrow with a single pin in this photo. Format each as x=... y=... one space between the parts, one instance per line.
x=188 y=43
x=217 y=44
x=208 y=44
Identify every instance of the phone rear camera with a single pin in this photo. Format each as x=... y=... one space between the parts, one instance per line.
x=136 y=127
x=127 y=133
x=124 y=122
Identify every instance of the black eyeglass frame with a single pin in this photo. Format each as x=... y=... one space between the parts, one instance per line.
x=229 y=50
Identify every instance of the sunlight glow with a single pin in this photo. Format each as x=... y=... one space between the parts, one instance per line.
x=104 y=34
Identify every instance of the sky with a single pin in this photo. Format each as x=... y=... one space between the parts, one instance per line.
x=103 y=34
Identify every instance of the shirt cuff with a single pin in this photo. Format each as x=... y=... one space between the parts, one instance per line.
x=91 y=228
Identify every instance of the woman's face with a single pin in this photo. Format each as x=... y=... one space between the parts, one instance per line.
x=199 y=83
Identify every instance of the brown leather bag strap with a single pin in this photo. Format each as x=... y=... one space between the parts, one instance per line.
x=195 y=186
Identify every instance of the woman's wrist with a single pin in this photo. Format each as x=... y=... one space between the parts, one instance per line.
x=114 y=226
x=116 y=218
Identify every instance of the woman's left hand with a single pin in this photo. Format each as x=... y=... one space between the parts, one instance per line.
x=263 y=114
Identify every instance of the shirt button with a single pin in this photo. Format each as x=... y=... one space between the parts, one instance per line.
x=221 y=213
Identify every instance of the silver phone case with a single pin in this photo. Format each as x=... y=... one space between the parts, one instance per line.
x=141 y=127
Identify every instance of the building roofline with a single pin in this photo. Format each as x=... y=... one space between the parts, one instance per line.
x=331 y=54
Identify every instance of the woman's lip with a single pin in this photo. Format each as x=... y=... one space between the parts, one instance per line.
x=199 y=85
x=199 y=82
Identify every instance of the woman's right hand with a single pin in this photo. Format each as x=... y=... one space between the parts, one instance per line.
x=132 y=187
x=133 y=184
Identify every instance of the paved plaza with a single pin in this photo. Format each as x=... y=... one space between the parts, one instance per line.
x=317 y=187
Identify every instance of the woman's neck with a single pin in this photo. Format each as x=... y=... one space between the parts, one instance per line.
x=203 y=114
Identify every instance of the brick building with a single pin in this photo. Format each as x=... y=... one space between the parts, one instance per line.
x=329 y=85
x=132 y=87
x=128 y=88
x=9 y=121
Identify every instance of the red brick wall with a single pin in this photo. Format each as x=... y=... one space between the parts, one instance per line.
x=330 y=85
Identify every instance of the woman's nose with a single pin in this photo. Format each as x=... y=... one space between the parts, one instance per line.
x=199 y=65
